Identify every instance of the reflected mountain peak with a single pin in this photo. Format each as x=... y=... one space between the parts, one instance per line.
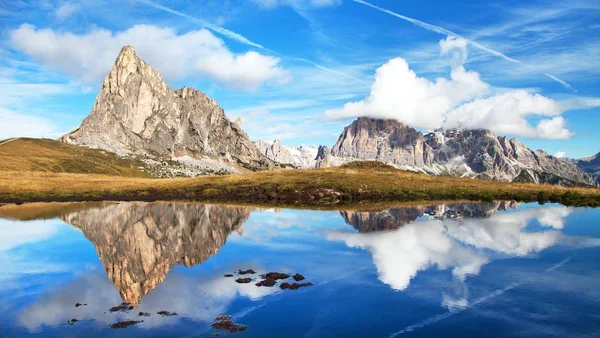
x=395 y=218
x=138 y=243
x=458 y=237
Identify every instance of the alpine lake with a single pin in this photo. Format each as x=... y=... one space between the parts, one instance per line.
x=179 y=269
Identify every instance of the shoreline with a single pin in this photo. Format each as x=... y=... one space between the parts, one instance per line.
x=309 y=188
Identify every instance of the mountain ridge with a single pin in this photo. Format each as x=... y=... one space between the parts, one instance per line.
x=474 y=153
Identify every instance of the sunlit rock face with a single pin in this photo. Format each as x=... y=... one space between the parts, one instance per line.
x=461 y=153
x=136 y=113
x=138 y=243
x=394 y=218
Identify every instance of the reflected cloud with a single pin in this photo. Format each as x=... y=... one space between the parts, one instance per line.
x=14 y=235
x=450 y=240
x=198 y=299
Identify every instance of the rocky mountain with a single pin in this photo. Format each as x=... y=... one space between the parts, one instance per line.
x=591 y=165
x=137 y=114
x=394 y=218
x=138 y=243
x=464 y=153
x=299 y=156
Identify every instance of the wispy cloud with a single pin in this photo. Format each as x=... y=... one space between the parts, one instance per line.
x=444 y=31
x=240 y=38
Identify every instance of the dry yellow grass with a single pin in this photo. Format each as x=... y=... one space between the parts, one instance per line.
x=28 y=154
x=282 y=187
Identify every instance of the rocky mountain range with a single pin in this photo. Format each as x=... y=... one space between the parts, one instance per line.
x=137 y=114
x=185 y=133
x=299 y=156
x=475 y=153
x=591 y=165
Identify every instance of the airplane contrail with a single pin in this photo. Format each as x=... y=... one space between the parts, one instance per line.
x=444 y=31
x=240 y=38
x=218 y=29
x=439 y=317
x=333 y=71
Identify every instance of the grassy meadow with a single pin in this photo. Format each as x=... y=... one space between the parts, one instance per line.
x=312 y=187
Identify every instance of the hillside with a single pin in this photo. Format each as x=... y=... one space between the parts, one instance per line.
x=311 y=187
x=28 y=154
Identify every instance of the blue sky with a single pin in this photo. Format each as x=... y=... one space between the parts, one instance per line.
x=302 y=70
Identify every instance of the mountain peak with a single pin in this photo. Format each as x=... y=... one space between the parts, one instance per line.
x=127 y=57
x=136 y=113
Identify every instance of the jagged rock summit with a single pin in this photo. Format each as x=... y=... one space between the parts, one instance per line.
x=137 y=114
x=474 y=153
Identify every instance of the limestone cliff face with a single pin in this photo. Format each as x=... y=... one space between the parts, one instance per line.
x=137 y=113
x=394 y=218
x=383 y=140
x=138 y=243
x=464 y=153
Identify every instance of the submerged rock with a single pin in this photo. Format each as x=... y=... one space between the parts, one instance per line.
x=124 y=324
x=144 y=314
x=228 y=275
x=246 y=272
x=123 y=307
x=223 y=317
x=276 y=275
x=267 y=282
x=294 y=286
x=244 y=280
x=298 y=277
x=228 y=325
x=167 y=313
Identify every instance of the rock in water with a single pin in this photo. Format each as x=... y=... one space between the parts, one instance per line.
x=137 y=114
x=463 y=153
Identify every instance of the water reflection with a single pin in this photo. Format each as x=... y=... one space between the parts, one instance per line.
x=434 y=254
x=138 y=243
x=459 y=237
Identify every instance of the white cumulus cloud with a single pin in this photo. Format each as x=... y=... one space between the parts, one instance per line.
x=462 y=100
x=560 y=154
x=88 y=57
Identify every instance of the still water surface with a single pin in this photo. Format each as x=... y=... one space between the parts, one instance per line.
x=497 y=269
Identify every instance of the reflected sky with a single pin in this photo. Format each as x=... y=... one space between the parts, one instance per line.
x=452 y=269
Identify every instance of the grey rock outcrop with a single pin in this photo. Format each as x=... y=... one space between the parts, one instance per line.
x=299 y=156
x=137 y=114
x=591 y=165
x=462 y=153
x=138 y=243
x=388 y=141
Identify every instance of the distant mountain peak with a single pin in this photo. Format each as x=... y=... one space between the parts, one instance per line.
x=476 y=153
